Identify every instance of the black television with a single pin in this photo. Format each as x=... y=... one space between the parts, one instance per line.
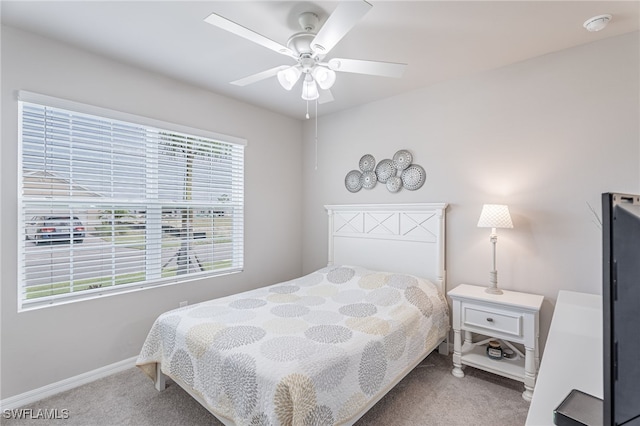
x=621 y=308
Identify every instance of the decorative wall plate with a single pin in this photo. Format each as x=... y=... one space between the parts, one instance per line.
x=367 y=163
x=353 y=181
x=384 y=170
x=394 y=184
x=402 y=159
x=413 y=177
x=368 y=180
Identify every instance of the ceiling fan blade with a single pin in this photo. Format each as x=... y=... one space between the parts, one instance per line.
x=259 y=76
x=237 y=29
x=325 y=96
x=382 y=69
x=343 y=18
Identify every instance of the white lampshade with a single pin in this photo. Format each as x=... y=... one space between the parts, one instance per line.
x=324 y=76
x=309 y=89
x=495 y=216
x=288 y=77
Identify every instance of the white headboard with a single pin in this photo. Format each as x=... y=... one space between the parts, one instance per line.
x=404 y=238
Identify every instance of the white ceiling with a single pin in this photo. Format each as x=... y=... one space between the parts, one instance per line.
x=439 y=40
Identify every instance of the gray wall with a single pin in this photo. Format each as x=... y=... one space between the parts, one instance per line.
x=51 y=344
x=545 y=136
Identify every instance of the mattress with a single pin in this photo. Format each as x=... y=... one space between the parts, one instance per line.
x=312 y=351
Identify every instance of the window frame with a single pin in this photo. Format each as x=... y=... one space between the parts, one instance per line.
x=104 y=113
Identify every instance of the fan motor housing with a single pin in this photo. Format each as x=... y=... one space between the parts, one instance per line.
x=300 y=43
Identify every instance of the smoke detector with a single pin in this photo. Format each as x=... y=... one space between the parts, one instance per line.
x=596 y=23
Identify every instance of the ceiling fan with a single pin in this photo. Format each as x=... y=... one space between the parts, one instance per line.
x=309 y=49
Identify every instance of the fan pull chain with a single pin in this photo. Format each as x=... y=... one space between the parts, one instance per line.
x=316 y=167
x=307 y=110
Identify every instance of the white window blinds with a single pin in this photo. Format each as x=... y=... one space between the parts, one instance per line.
x=112 y=205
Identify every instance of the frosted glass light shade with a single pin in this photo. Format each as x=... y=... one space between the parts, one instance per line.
x=324 y=76
x=309 y=89
x=495 y=216
x=288 y=77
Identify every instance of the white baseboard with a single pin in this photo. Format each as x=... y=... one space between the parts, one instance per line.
x=63 y=385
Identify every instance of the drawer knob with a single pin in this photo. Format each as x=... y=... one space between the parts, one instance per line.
x=489 y=319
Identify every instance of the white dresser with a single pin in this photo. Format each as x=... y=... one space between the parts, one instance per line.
x=572 y=357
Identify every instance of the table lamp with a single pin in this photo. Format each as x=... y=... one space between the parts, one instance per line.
x=494 y=216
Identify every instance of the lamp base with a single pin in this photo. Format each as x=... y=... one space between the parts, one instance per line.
x=493 y=282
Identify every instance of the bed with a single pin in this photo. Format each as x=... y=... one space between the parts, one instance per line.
x=323 y=348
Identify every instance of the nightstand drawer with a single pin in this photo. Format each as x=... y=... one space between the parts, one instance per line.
x=485 y=318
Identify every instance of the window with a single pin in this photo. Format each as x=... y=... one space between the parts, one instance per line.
x=110 y=203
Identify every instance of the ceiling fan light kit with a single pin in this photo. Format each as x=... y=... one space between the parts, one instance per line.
x=309 y=89
x=324 y=76
x=309 y=49
x=289 y=77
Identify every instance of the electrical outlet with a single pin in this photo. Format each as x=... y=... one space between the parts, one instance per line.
x=183 y=304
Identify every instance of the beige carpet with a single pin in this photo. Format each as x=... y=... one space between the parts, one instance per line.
x=429 y=395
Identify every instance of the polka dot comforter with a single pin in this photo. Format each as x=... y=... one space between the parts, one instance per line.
x=311 y=351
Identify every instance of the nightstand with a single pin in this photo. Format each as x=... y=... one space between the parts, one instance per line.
x=511 y=317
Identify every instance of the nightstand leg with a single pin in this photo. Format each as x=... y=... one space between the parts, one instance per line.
x=457 y=347
x=467 y=337
x=529 y=373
